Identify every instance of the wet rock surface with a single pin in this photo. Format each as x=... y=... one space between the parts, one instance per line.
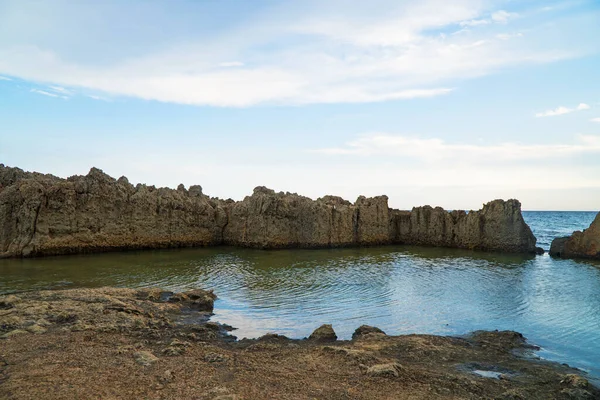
x=128 y=344
x=46 y=215
x=581 y=244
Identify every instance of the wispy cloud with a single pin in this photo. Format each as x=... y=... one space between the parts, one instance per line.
x=562 y=110
x=4 y=78
x=43 y=92
x=436 y=150
x=53 y=91
x=595 y=120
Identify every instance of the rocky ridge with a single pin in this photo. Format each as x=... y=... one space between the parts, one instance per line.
x=580 y=244
x=46 y=215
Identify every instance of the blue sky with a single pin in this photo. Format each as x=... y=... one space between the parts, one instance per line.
x=430 y=102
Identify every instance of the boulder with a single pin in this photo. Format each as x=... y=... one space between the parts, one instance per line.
x=584 y=244
x=365 y=330
x=324 y=333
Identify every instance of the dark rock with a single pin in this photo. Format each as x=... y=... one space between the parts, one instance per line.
x=364 y=330
x=584 y=244
x=324 y=333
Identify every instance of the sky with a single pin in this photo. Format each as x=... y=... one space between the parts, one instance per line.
x=451 y=104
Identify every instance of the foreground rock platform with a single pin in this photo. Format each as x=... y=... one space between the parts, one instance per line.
x=46 y=215
x=584 y=244
x=129 y=344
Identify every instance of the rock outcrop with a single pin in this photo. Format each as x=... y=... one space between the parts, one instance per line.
x=281 y=220
x=498 y=226
x=584 y=244
x=46 y=215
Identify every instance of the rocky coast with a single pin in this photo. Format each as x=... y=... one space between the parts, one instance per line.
x=115 y=343
x=581 y=244
x=46 y=215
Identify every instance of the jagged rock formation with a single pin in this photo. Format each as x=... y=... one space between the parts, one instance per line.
x=584 y=244
x=498 y=226
x=277 y=220
x=45 y=215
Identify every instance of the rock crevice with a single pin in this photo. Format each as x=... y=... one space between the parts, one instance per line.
x=45 y=215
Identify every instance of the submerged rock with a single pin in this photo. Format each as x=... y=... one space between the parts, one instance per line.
x=584 y=244
x=324 y=333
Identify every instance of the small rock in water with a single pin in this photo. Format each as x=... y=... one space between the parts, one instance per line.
x=364 y=330
x=145 y=358
x=324 y=333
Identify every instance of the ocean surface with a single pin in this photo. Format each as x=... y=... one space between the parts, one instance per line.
x=401 y=289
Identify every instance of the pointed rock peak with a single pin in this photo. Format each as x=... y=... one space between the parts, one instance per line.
x=263 y=190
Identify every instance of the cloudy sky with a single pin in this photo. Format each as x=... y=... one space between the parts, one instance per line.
x=450 y=103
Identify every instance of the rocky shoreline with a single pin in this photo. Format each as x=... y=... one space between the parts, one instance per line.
x=45 y=215
x=584 y=244
x=139 y=343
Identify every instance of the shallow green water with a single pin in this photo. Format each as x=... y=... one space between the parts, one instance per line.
x=555 y=303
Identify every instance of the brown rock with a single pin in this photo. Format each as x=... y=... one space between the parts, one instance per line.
x=145 y=358
x=365 y=330
x=584 y=244
x=324 y=333
x=498 y=226
x=385 y=370
x=45 y=215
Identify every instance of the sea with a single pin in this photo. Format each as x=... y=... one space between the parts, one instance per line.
x=554 y=303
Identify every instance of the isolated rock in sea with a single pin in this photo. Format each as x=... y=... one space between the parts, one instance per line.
x=498 y=226
x=324 y=333
x=46 y=215
x=584 y=244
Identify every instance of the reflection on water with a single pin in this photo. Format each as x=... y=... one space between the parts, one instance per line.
x=555 y=303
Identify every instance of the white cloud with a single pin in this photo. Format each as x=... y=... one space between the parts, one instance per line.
x=503 y=16
x=583 y=106
x=595 y=119
x=562 y=110
x=230 y=64
x=307 y=52
x=4 y=78
x=436 y=150
x=507 y=36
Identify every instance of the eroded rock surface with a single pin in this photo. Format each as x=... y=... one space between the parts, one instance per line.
x=584 y=244
x=46 y=215
x=130 y=344
x=498 y=226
